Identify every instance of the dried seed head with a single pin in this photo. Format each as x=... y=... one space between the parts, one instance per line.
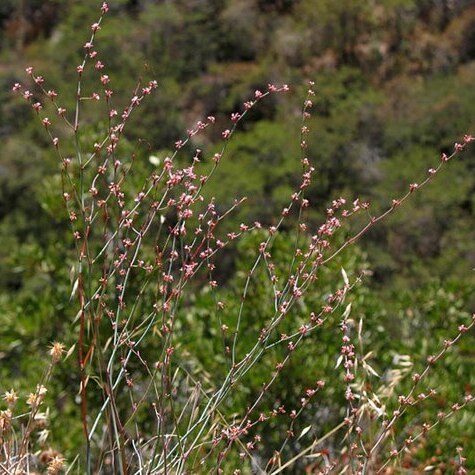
x=55 y=465
x=10 y=397
x=56 y=351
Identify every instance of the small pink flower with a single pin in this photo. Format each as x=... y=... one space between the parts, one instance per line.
x=95 y=27
x=52 y=94
x=29 y=70
x=80 y=69
x=99 y=65
x=468 y=138
x=46 y=122
x=27 y=95
x=39 y=80
x=37 y=106
x=105 y=79
x=105 y=7
x=96 y=96
x=139 y=197
x=16 y=87
x=226 y=134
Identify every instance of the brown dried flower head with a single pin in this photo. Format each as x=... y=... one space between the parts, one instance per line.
x=36 y=398
x=55 y=465
x=56 y=351
x=10 y=397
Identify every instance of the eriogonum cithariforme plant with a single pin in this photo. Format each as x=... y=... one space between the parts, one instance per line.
x=142 y=250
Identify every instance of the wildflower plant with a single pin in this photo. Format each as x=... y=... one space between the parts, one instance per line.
x=145 y=249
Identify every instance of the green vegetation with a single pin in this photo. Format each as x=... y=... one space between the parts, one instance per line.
x=394 y=82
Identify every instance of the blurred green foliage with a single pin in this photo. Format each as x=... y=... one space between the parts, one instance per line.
x=395 y=90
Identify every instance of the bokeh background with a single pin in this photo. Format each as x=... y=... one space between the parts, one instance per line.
x=395 y=82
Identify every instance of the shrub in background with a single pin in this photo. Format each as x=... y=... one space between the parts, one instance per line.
x=178 y=373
